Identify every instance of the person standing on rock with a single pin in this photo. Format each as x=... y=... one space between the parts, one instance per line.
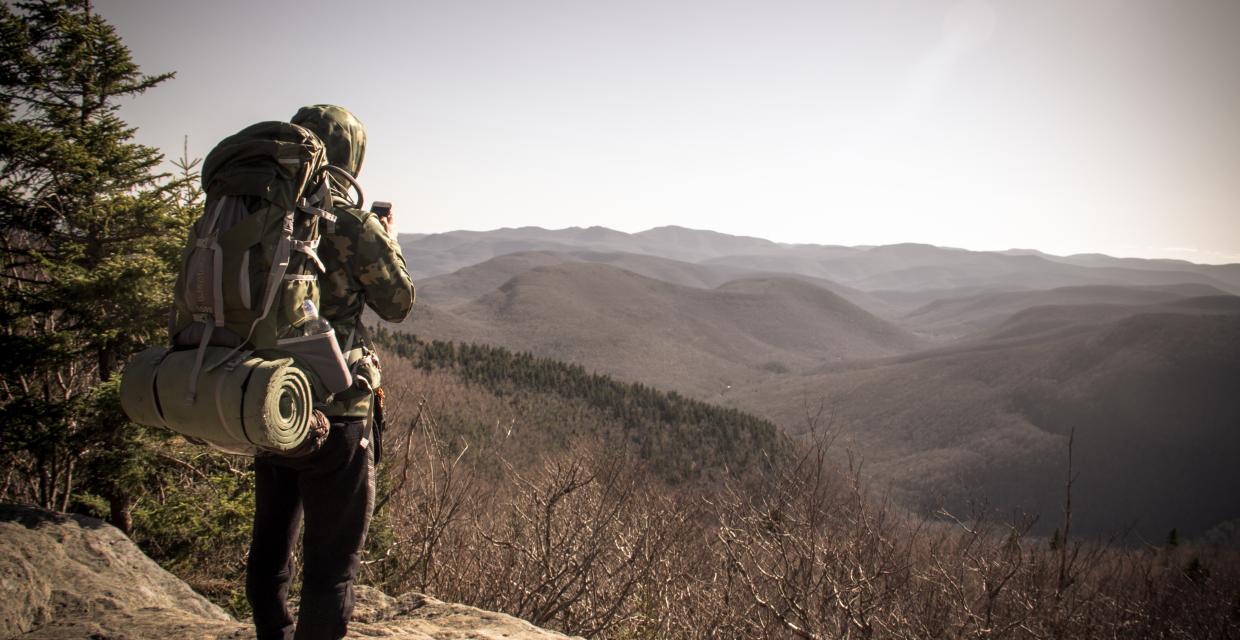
x=333 y=487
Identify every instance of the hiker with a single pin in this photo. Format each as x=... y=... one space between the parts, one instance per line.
x=332 y=487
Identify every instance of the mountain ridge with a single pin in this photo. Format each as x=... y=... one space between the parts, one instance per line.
x=446 y=252
x=649 y=330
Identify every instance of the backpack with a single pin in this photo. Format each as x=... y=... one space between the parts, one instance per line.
x=245 y=329
x=250 y=264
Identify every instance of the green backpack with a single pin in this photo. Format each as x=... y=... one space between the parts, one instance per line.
x=245 y=327
x=251 y=263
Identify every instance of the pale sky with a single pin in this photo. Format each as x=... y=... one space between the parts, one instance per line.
x=1068 y=126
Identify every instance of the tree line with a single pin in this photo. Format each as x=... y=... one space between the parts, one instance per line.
x=681 y=437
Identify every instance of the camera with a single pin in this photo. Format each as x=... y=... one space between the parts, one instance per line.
x=381 y=209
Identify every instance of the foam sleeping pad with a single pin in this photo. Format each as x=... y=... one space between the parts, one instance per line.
x=249 y=404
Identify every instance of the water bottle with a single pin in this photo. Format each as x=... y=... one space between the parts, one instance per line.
x=314 y=323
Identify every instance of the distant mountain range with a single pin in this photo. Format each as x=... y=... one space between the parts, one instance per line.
x=899 y=267
x=956 y=374
x=694 y=340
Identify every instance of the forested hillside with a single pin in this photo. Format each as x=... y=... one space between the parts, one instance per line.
x=491 y=501
x=1149 y=391
x=505 y=488
x=679 y=437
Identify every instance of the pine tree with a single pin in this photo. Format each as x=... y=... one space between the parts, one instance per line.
x=90 y=234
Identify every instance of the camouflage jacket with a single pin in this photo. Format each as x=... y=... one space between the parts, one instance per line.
x=364 y=267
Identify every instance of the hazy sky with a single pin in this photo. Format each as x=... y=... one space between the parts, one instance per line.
x=1062 y=125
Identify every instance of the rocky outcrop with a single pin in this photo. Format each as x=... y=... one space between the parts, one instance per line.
x=68 y=576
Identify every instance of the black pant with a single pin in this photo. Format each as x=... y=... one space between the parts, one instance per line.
x=334 y=486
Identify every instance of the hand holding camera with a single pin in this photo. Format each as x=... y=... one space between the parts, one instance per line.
x=383 y=211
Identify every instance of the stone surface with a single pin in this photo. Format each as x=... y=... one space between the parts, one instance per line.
x=67 y=576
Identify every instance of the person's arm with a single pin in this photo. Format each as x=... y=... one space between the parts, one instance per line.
x=380 y=269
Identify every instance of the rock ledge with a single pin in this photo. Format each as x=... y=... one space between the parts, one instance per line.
x=69 y=576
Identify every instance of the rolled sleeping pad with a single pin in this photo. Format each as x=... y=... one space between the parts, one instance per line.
x=246 y=405
x=138 y=387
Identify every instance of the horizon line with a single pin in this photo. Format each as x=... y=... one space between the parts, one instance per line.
x=1230 y=260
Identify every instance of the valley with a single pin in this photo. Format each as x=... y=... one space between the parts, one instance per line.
x=957 y=376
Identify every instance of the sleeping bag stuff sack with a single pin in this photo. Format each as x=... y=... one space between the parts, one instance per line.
x=247 y=404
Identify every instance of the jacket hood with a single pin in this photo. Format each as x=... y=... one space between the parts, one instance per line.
x=341 y=132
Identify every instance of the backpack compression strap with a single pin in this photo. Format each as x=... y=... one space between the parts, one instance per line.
x=279 y=264
x=285 y=248
x=216 y=317
x=308 y=247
